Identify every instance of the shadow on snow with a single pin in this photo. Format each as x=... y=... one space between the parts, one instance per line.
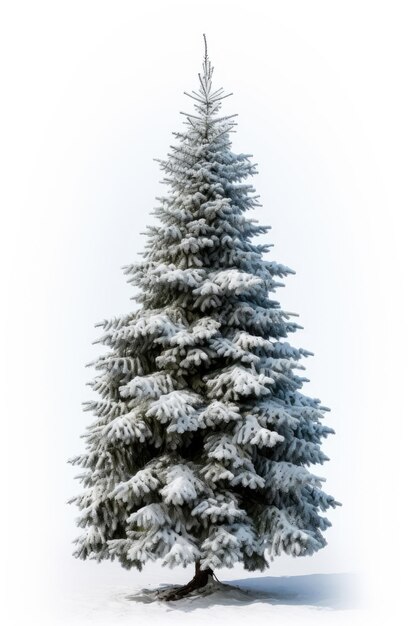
x=327 y=591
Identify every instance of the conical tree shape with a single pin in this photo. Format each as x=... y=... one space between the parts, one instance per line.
x=201 y=440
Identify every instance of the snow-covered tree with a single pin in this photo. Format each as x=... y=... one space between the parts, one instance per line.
x=201 y=440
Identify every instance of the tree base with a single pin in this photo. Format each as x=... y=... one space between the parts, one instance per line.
x=199 y=581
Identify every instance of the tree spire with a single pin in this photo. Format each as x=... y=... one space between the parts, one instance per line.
x=205 y=78
x=205 y=48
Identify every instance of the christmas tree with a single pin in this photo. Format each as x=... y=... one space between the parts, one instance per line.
x=199 y=448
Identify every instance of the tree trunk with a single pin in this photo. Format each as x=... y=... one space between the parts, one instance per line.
x=200 y=579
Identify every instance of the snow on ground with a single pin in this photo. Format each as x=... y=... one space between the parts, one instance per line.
x=311 y=598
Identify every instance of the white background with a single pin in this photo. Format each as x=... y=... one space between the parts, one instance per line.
x=326 y=98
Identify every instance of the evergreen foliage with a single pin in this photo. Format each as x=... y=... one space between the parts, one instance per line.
x=201 y=439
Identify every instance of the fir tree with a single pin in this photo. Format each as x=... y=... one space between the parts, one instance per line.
x=201 y=440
